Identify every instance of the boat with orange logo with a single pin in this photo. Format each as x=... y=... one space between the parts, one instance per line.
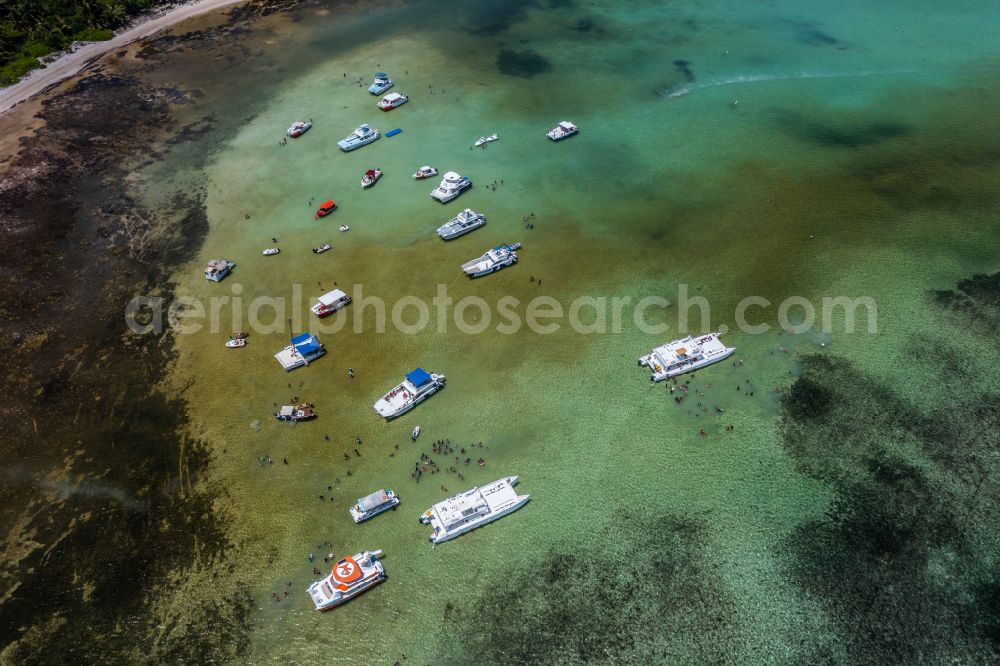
x=350 y=577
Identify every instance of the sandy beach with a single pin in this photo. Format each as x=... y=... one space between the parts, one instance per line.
x=71 y=62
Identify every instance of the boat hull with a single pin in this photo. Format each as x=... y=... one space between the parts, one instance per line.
x=344 y=599
x=489 y=519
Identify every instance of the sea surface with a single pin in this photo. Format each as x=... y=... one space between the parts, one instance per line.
x=775 y=150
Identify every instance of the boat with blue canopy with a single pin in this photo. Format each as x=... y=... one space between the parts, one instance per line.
x=304 y=348
x=414 y=389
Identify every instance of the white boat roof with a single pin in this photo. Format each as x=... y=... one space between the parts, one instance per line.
x=392 y=97
x=287 y=410
x=332 y=297
x=567 y=125
x=473 y=501
x=452 y=176
x=373 y=501
x=676 y=350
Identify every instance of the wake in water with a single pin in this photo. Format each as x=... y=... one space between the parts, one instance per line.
x=674 y=92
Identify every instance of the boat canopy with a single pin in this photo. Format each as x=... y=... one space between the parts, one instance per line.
x=373 y=501
x=306 y=343
x=328 y=204
x=418 y=377
x=287 y=410
x=332 y=297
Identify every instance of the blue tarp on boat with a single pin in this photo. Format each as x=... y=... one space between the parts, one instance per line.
x=306 y=343
x=418 y=377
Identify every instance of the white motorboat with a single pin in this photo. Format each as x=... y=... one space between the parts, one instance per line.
x=381 y=83
x=451 y=186
x=304 y=349
x=218 y=269
x=473 y=508
x=298 y=128
x=236 y=343
x=463 y=223
x=562 y=130
x=414 y=389
x=374 y=504
x=350 y=577
x=325 y=247
x=483 y=140
x=415 y=433
x=685 y=355
x=425 y=172
x=359 y=137
x=370 y=178
x=302 y=412
x=392 y=100
x=330 y=302
x=499 y=257
x=344 y=227
x=271 y=251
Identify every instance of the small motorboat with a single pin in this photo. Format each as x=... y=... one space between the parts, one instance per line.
x=483 y=140
x=425 y=172
x=271 y=251
x=381 y=84
x=415 y=433
x=359 y=137
x=326 y=208
x=302 y=412
x=392 y=100
x=371 y=177
x=344 y=227
x=561 y=131
x=322 y=248
x=298 y=128
x=236 y=343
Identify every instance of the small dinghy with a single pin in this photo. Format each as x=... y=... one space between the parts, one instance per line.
x=344 y=227
x=237 y=341
x=322 y=248
x=483 y=140
x=415 y=433
x=371 y=177
x=270 y=251
x=425 y=172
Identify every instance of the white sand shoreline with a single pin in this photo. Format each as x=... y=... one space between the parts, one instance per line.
x=71 y=62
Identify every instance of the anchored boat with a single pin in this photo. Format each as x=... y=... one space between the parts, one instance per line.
x=487 y=139
x=359 y=137
x=218 y=269
x=302 y=412
x=330 y=302
x=381 y=83
x=370 y=178
x=561 y=131
x=350 y=577
x=303 y=349
x=500 y=257
x=298 y=128
x=325 y=247
x=425 y=172
x=417 y=387
x=463 y=223
x=326 y=208
x=685 y=355
x=473 y=508
x=271 y=251
x=451 y=186
x=392 y=100
x=374 y=504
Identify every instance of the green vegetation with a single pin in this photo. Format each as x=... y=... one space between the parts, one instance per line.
x=30 y=29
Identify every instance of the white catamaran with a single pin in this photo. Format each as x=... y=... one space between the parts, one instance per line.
x=473 y=508
x=685 y=355
x=417 y=387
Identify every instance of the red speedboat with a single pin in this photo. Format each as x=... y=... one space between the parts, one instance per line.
x=370 y=177
x=326 y=208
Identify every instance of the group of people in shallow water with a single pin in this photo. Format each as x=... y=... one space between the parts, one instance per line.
x=426 y=464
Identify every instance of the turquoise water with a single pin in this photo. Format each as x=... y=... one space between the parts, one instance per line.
x=816 y=152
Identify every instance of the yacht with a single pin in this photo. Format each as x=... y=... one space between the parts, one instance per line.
x=302 y=412
x=685 y=355
x=374 y=504
x=392 y=100
x=451 y=186
x=330 y=302
x=303 y=349
x=350 y=577
x=425 y=172
x=462 y=223
x=298 y=128
x=359 y=137
x=415 y=388
x=473 y=508
x=562 y=130
x=370 y=178
x=381 y=84
x=501 y=256
x=218 y=269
